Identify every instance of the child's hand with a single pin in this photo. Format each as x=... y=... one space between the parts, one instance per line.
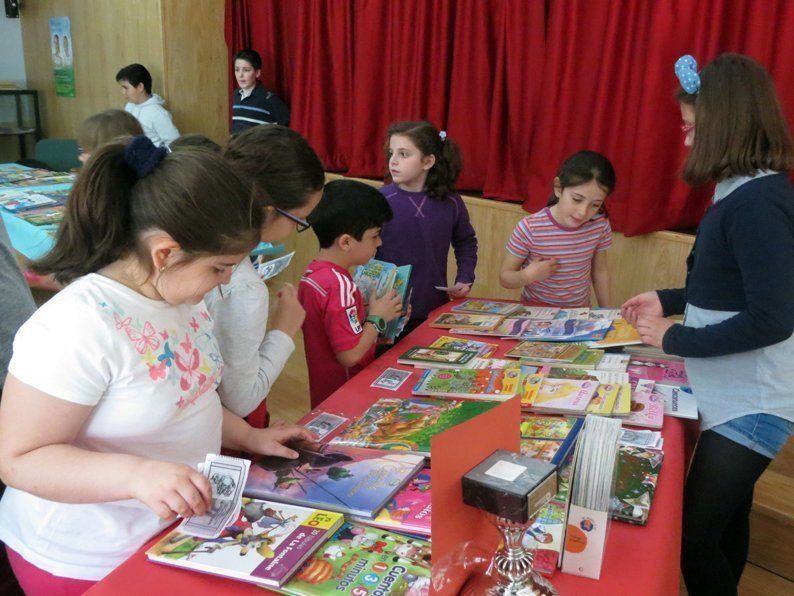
x=646 y=303
x=170 y=489
x=652 y=329
x=539 y=269
x=459 y=290
x=270 y=441
x=289 y=314
x=389 y=307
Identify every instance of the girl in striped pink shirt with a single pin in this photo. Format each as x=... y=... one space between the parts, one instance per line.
x=559 y=253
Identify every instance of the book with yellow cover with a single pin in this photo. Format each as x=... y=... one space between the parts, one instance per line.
x=604 y=400
x=622 y=405
x=483 y=349
x=620 y=334
x=564 y=396
x=449 y=320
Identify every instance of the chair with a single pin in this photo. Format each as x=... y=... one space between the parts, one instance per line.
x=59 y=155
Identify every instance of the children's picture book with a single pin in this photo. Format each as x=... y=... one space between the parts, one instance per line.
x=604 y=400
x=564 y=396
x=44 y=216
x=550 y=438
x=423 y=357
x=530 y=385
x=512 y=327
x=622 y=407
x=614 y=362
x=324 y=423
x=378 y=278
x=582 y=312
x=667 y=372
x=555 y=428
x=16 y=201
x=485 y=383
x=332 y=476
x=483 y=349
x=647 y=407
x=409 y=511
x=546 y=351
x=539 y=313
x=448 y=320
x=609 y=314
x=486 y=307
x=566 y=330
x=266 y=544
x=49 y=180
x=678 y=401
x=637 y=475
x=619 y=334
x=407 y=424
x=360 y=560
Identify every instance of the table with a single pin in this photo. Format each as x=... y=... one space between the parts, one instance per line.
x=639 y=560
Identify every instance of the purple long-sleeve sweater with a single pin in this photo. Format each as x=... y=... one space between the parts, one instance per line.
x=420 y=235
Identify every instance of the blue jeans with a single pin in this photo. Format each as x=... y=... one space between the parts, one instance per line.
x=763 y=433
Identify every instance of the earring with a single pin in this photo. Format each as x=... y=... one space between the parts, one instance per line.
x=162 y=268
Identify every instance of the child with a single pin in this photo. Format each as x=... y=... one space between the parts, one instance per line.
x=428 y=216
x=102 y=128
x=287 y=179
x=339 y=340
x=125 y=361
x=136 y=86
x=559 y=253
x=195 y=141
x=737 y=332
x=252 y=104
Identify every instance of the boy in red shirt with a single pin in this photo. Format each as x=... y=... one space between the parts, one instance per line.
x=339 y=337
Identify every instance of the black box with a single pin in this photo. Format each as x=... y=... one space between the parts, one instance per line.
x=510 y=485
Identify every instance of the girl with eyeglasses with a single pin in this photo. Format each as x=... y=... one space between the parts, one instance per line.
x=287 y=178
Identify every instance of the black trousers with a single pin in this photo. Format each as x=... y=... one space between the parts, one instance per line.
x=718 y=497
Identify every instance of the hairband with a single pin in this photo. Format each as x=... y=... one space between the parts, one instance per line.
x=686 y=69
x=142 y=156
x=442 y=135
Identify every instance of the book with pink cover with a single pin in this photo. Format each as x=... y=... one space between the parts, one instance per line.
x=667 y=372
x=647 y=407
x=564 y=396
x=409 y=511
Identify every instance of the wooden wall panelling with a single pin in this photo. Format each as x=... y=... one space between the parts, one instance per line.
x=107 y=35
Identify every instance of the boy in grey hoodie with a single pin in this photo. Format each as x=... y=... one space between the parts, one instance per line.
x=136 y=86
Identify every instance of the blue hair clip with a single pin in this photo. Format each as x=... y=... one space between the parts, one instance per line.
x=686 y=69
x=142 y=156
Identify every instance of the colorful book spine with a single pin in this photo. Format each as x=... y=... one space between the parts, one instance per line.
x=410 y=509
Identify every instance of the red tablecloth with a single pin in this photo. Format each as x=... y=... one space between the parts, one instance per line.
x=639 y=560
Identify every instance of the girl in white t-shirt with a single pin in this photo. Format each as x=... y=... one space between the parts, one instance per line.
x=111 y=398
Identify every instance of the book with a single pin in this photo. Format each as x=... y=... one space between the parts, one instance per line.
x=336 y=477
x=646 y=351
x=266 y=544
x=377 y=278
x=485 y=383
x=667 y=372
x=550 y=438
x=564 y=396
x=16 y=201
x=407 y=424
x=678 y=401
x=622 y=407
x=604 y=400
x=409 y=511
x=486 y=307
x=530 y=385
x=539 y=313
x=566 y=330
x=637 y=475
x=512 y=326
x=619 y=334
x=610 y=314
x=542 y=351
x=437 y=358
x=614 y=362
x=483 y=349
x=449 y=320
x=579 y=312
x=361 y=560
x=647 y=407
x=43 y=216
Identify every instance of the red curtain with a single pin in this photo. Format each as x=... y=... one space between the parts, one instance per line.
x=520 y=84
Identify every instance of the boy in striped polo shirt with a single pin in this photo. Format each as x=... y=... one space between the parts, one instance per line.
x=252 y=104
x=559 y=253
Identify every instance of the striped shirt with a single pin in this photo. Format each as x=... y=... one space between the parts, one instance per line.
x=540 y=235
x=255 y=107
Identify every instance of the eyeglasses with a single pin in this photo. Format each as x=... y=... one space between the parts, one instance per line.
x=301 y=224
x=687 y=127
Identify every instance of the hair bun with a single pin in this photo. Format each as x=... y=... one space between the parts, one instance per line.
x=686 y=69
x=142 y=156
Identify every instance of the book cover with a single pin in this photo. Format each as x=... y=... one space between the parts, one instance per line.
x=512 y=326
x=530 y=385
x=622 y=405
x=614 y=362
x=265 y=545
x=547 y=427
x=409 y=511
x=637 y=475
x=539 y=313
x=483 y=349
x=360 y=560
x=336 y=477
x=484 y=383
x=579 y=312
x=678 y=401
x=604 y=400
x=619 y=334
x=437 y=358
x=647 y=407
x=549 y=437
x=16 y=201
x=540 y=351
x=449 y=320
x=564 y=396
x=376 y=277
x=610 y=314
x=667 y=372
x=44 y=216
x=566 y=330
x=486 y=307
x=407 y=424
x=399 y=285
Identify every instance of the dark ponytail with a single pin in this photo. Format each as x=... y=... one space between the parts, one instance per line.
x=581 y=168
x=428 y=139
x=196 y=197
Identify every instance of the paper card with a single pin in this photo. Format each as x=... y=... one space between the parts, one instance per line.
x=324 y=424
x=585 y=537
x=391 y=379
x=268 y=269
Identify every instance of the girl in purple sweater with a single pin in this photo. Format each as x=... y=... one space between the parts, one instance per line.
x=429 y=216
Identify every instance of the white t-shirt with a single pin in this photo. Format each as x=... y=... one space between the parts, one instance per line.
x=151 y=371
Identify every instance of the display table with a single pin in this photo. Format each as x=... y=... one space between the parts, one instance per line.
x=639 y=560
